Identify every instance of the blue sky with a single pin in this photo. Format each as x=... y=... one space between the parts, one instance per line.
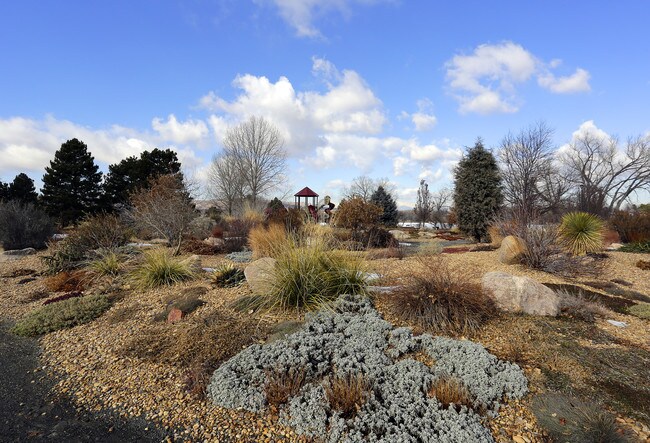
x=391 y=89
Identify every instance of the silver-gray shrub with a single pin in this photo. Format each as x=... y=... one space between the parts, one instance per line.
x=352 y=338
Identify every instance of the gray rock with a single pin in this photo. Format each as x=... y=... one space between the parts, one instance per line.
x=511 y=250
x=520 y=294
x=20 y=252
x=258 y=274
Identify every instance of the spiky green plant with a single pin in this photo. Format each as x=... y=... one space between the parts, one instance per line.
x=582 y=232
x=227 y=275
x=159 y=268
x=107 y=263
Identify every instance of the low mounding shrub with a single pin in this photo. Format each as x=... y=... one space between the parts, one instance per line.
x=450 y=391
x=347 y=394
x=227 y=275
x=23 y=226
x=310 y=275
x=159 y=268
x=438 y=300
x=642 y=310
x=375 y=237
x=631 y=226
x=542 y=246
x=62 y=314
x=356 y=213
x=571 y=419
x=639 y=248
x=267 y=241
x=103 y=231
x=581 y=232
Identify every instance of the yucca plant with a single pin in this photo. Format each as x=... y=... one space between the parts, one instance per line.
x=227 y=275
x=159 y=268
x=581 y=232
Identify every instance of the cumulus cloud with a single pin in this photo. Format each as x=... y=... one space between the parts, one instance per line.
x=414 y=156
x=190 y=131
x=486 y=80
x=423 y=119
x=301 y=14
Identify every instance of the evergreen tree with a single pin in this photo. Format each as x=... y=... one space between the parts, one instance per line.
x=385 y=201
x=134 y=173
x=71 y=184
x=477 y=191
x=424 y=204
x=22 y=189
x=4 y=191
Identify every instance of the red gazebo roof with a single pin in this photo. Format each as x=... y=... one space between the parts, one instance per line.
x=305 y=192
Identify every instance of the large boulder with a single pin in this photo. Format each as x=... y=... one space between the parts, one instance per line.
x=511 y=250
x=399 y=235
x=520 y=294
x=20 y=252
x=259 y=274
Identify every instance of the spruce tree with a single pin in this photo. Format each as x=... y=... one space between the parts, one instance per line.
x=71 y=184
x=4 y=191
x=477 y=191
x=22 y=189
x=135 y=173
x=385 y=201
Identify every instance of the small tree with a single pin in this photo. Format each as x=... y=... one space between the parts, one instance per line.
x=22 y=189
x=423 y=205
x=165 y=209
x=357 y=214
x=439 y=200
x=384 y=200
x=477 y=191
x=226 y=184
x=71 y=184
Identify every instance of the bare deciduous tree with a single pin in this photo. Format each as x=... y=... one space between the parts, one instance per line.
x=226 y=185
x=256 y=148
x=165 y=209
x=364 y=186
x=423 y=205
x=439 y=200
x=606 y=174
x=525 y=158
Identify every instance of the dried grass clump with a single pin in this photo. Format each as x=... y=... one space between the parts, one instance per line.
x=159 y=268
x=283 y=383
x=66 y=281
x=267 y=241
x=580 y=306
x=379 y=254
x=450 y=391
x=62 y=314
x=438 y=300
x=347 y=393
x=429 y=249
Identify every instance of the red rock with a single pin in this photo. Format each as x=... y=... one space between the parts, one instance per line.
x=175 y=315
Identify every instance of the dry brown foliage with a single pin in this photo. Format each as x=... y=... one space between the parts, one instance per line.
x=450 y=391
x=643 y=264
x=441 y=301
x=356 y=213
x=66 y=282
x=283 y=383
x=348 y=393
x=378 y=254
x=267 y=241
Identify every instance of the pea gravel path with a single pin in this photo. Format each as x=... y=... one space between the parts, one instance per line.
x=30 y=413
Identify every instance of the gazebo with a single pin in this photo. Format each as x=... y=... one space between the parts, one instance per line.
x=306 y=193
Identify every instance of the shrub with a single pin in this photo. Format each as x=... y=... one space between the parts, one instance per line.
x=639 y=247
x=642 y=310
x=65 y=296
x=437 y=300
x=217 y=231
x=65 y=282
x=107 y=263
x=450 y=391
x=65 y=255
x=103 y=231
x=393 y=252
x=237 y=237
x=541 y=246
x=267 y=241
x=310 y=275
x=631 y=226
x=567 y=266
x=227 y=275
x=23 y=226
x=643 y=265
x=375 y=237
x=160 y=268
x=283 y=383
x=581 y=232
x=63 y=314
x=571 y=419
x=347 y=394
x=356 y=213
x=580 y=306
x=198 y=247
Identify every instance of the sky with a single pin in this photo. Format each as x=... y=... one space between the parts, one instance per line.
x=393 y=88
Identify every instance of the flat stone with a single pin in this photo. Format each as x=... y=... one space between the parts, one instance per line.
x=20 y=252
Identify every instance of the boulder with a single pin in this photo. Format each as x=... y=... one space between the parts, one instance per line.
x=520 y=294
x=400 y=235
x=259 y=273
x=214 y=241
x=175 y=315
x=20 y=252
x=511 y=250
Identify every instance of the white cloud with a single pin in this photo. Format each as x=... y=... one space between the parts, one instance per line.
x=423 y=122
x=577 y=82
x=190 y=131
x=301 y=14
x=486 y=80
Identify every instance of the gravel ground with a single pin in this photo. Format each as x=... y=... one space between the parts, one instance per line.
x=30 y=411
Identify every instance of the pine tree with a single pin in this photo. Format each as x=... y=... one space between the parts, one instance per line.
x=135 y=173
x=71 y=184
x=4 y=191
x=385 y=201
x=424 y=204
x=477 y=191
x=22 y=189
